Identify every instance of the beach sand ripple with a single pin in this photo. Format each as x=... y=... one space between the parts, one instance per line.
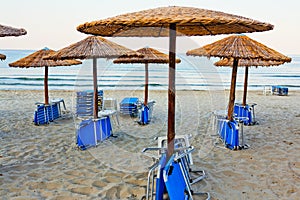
x=43 y=162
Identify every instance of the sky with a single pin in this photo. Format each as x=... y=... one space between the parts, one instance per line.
x=53 y=23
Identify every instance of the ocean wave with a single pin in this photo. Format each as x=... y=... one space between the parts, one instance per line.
x=195 y=74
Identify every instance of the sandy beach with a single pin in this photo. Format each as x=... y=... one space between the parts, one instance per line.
x=43 y=162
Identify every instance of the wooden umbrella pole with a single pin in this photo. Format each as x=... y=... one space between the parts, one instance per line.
x=146 y=84
x=95 y=88
x=171 y=90
x=232 y=90
x=245 y=86
x=46 y=86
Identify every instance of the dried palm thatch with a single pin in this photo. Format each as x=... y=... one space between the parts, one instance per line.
x=236 y=48
x=10 y=31
x=92 y=47
x=150 y=55
x=189 y=21
x=36 y=60
x=228 y=62
x=240 y=47
x=2 y=56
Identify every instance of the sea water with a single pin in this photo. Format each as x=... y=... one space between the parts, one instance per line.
x=193 y=73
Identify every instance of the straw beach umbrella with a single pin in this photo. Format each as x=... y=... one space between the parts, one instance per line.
x=10 y=31
x=170 y=22
x=2 y=56
x=6 y=31
x=150 y=56
x=225 y=62
x=239 y=47
x=93 y=47
x=36 y=60
x=247 y=63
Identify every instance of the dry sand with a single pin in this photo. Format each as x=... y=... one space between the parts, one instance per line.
x=42 y=162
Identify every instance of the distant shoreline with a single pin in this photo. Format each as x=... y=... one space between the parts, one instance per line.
x=193 y=73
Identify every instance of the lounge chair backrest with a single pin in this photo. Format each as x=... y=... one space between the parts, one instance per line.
x=160 y=185
x=181 y=141
x=90 y=132
x=175 y=181
x=229 y=132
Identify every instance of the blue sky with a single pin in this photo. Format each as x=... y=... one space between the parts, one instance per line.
x=53 y=23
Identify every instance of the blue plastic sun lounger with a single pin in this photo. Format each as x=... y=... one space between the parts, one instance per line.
x=244 y=113
x=160 y=188
x=84 y=102
x=90 y=132
x=144 y=115
x=229 y=133
x=176 y=181
x=129 y=106
x=156 y=185
x=105 y=128
x=182 y=142
x=52 y=111
x=280 y=90
x=44 y=114
x=55 y=112
x=58 y=101
x=41 y=115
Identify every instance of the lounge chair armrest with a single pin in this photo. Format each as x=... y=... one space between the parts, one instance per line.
x=187 y=150
x=253 y=104
x=241 y=119
x=153 y=149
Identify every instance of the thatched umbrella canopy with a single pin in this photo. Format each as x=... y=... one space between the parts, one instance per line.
x=150 y=56
x=247 y=63
x=10 y=31
x=225 y=62
x=93 y=47
x=189 y=22
x=238 y=47
x=36 y=60
x=172 y=21
x=2 y=56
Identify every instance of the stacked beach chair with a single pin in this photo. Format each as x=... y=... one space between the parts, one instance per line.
x=230 y=132
x=175 y=175
x=135 y=108
x=129 y=106
x=85 y=102
x=245 y=113
x=145 y=113
x=44 y=114
x=280 y=90
x=90 y=131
